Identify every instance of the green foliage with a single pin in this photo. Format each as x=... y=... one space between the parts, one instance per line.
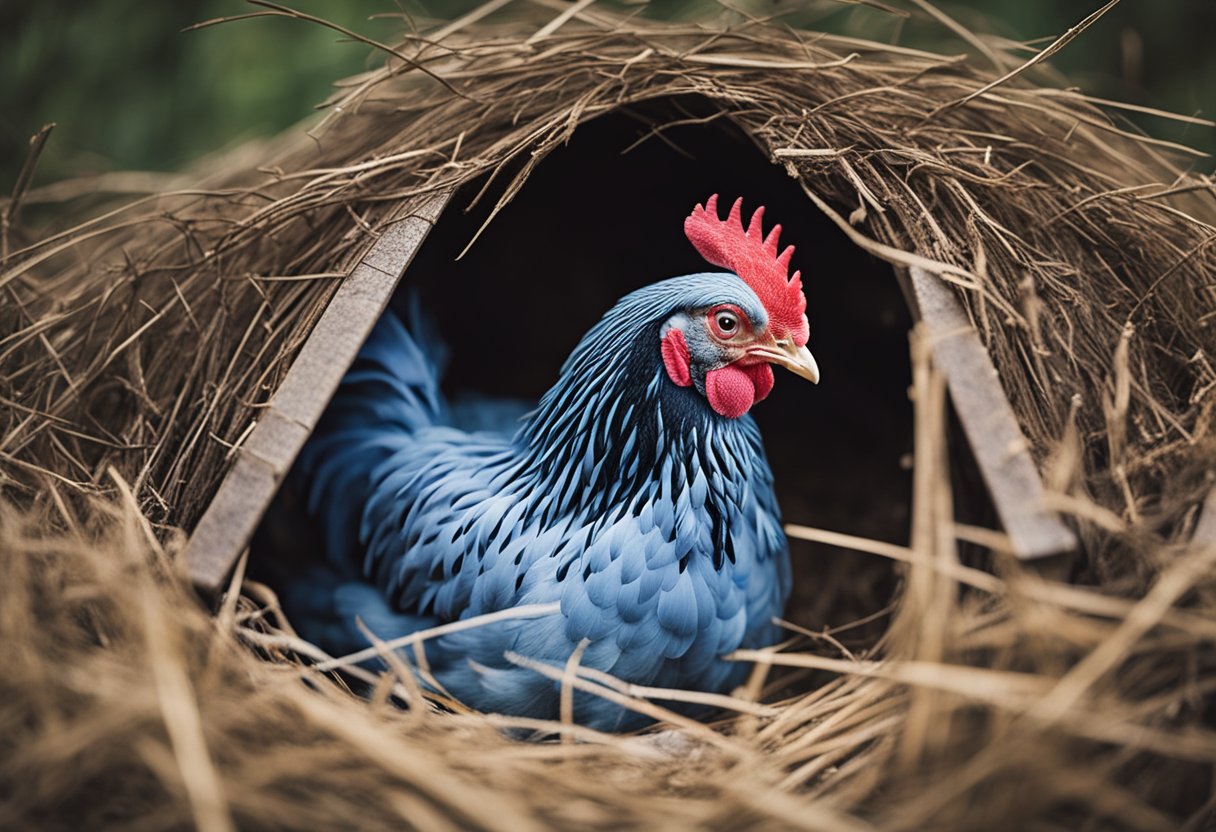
x=128 y=89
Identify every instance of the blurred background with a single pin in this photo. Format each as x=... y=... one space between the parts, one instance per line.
x=130 y=90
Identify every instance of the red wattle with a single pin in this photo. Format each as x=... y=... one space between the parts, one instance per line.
x=762 y=378
x=731 y=390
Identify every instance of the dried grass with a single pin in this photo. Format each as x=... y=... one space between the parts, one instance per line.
x=138 y=346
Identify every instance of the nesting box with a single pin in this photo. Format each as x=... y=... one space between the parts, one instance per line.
x=555 y=270
x=181 y=350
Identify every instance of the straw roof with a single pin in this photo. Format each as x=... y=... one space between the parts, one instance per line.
x=139 y=344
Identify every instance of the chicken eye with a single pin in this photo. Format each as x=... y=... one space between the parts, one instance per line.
x=724 y=323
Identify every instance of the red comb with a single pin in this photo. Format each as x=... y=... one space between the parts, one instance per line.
x=754 y=258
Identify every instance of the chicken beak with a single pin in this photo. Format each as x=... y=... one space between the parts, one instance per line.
x=799 y=361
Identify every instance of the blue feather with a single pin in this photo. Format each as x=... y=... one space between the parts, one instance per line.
x=651 y=519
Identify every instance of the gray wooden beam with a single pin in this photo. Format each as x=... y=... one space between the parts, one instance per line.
x=266 y=455
x=992 y=430
x=1205 y=527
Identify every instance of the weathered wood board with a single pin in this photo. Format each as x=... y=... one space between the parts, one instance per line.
x=1000 y=447
x=266 y=455
x=1205 y=527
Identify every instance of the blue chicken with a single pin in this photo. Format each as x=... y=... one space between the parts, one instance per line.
x=636 y=495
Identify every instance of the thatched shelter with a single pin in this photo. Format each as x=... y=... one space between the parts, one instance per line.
x=925 y=684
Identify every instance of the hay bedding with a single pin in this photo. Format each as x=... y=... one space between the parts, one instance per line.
x=138 y=345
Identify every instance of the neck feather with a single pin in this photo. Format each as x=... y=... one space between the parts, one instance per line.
x=614 y=429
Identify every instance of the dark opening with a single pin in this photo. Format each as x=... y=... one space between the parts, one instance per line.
x=594 y=222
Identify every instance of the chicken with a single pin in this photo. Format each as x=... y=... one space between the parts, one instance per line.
x=636 y=496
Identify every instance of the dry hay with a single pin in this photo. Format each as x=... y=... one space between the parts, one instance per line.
x=137 y=347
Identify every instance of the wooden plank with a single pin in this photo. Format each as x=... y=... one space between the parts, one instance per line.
x=988 y=420
x=1205 y=527
x=267 y=454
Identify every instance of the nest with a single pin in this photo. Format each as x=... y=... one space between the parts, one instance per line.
x=139 y=344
